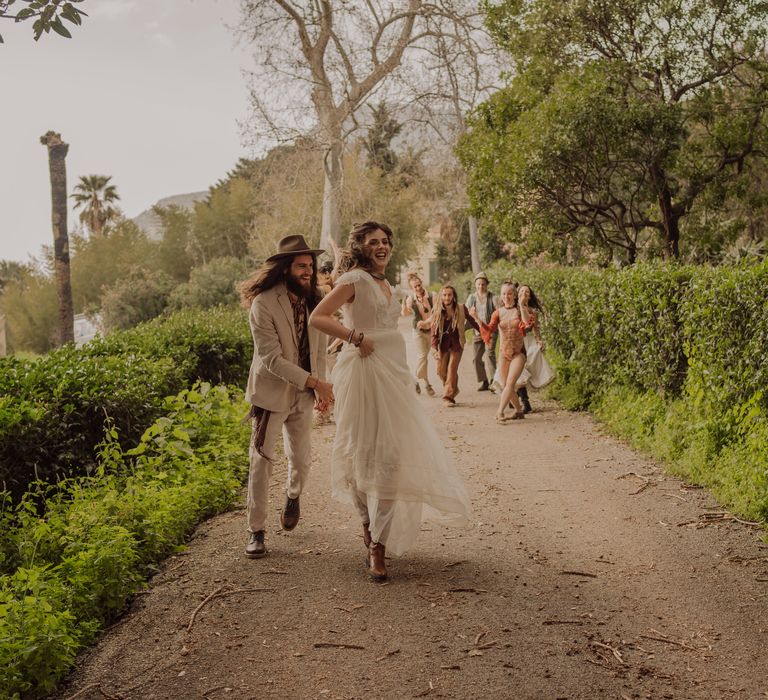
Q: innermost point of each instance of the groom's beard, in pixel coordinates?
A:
(297, 287)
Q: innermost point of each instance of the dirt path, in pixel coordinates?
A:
(587, 573)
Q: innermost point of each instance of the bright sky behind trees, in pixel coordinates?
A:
(148, 92)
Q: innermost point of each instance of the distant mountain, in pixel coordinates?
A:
(149, 222)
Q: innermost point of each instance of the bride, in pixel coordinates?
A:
(387, 458)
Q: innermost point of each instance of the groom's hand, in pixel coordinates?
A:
(324, 393)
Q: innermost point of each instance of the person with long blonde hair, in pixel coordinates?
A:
(387, 457)
(448, 325)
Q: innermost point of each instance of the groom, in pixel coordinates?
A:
(287, 378)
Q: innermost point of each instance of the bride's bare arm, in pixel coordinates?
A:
(323, 317)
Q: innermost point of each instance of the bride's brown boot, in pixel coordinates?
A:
(377, 569)
(367, 535)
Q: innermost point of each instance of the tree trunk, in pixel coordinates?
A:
(670, 219)
(474, 245)
(57, 152)
(332, 195)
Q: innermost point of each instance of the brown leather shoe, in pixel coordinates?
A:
(377, 569)
(367, 535)
(289, 518)
(255, 549)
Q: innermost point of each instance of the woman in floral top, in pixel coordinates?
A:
(512, 320)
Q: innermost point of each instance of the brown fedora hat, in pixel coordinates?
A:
(293, 245)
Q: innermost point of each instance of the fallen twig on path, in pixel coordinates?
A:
(579, 573)
(94, 686)
(707, 518)
(488, 645)
(336, 645)
(467, 590)
(388, 654)
(613, 650)
(454, 563)
(563, 622)
(659, 637)
(221, 593)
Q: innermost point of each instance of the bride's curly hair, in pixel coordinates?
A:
(355, 254)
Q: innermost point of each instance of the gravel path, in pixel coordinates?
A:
(587, 573)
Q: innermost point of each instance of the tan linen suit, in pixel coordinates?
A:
(276, 383)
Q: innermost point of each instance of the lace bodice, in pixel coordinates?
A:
(370, 310)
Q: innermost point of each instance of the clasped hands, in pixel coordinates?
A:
(323, 395)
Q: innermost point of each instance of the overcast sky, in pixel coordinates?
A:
(147, 91)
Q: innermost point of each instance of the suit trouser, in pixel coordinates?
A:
(423, 346)
(484, 360)
(295, 425)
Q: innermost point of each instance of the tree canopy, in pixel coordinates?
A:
(622, 118)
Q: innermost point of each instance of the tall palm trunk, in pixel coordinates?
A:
(57, 152)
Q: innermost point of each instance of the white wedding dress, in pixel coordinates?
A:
(387, 458)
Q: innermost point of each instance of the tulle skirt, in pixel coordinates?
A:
(387, 457)
(537, 372)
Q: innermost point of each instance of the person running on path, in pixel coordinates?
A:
(287, 378)
(484, 304)
(448, 325)
(510, 320)
(420, 303)
(387, 458)
(537, 371)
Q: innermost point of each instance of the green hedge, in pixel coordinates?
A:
(53, 409)
(71, 568)
(674, 358)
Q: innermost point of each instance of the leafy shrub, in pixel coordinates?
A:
(71, 568)
(674, 358)
(140, 296)
(53, 409)
(210, 285)
(212, 346)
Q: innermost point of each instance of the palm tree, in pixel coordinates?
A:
(95, 195)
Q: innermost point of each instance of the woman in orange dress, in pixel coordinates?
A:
(509, 320)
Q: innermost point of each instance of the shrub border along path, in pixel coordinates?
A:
(99, 538)
(672, 358)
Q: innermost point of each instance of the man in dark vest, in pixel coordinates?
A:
(484, 303)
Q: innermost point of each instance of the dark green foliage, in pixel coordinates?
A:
(213, 346)
(68, 569)
(53, 410)
(140, 296)
(212, 284)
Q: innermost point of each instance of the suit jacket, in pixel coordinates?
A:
(275, 374)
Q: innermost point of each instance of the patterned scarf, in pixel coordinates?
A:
(300, 321)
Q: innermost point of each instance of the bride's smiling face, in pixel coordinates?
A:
(378, 247)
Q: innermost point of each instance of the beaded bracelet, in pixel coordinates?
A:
(359, 340)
